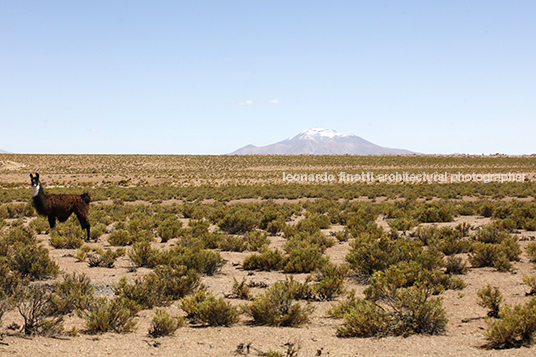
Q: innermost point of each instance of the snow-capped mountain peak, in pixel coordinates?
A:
(318, 141)
(319, 134)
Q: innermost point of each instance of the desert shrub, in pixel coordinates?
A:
(440, 212)
(414, 312)
(75, 292)
(330, 281)
(277, 307)
(268, 260)
(531, 251)
(198, 228)
(32, 261)
(376, 252)
(40, 225)
(97, 230)
(18, 234)
(190, 302)
(241, 290)
(169, 228)
(143, 255)
(426, 234)
(216, 312)
(203, 261)
(164, 325)
(239, 222)
(491, 298)
(455, 265)
(36, 307)
(119, 237)
(65, 242)
(514, 327)
(338, 310)
(450, 241)
(272, 221)
(402, 224)
(530, 280)
(160, 287)
(304, 260)
(489, 255)
(342, 236)
(411, 311)
(104, 258)
(257, 240)
(275, 226)
(485, 208)
(19, 210)
(105, 315)
(233, 243)
(364, 319)
(307, 239)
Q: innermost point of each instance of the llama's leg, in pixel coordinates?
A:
(52, 222)
(84, 222)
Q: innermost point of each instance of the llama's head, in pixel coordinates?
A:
(36, 185)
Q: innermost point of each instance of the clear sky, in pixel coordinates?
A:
(208, 77)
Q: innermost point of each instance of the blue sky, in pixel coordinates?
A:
(208, 77)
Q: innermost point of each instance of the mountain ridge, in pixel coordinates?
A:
(318, 141)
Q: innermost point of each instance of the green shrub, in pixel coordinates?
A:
(164, 325)
(489, 255)
(169, 228)
(414, 312)
(257, 240)
(143, 255)
(97, 231)
(119, 237)
(239, 222)
(531, 251)
(203, 261)
(75, 292)
(365, 319)
(402, 224)
(33, 261)
(40, 225)
(515, 327)
(241, 289)
(491, 298)
(343, 307)
(304, 260)
(233, 243)
(67, 236)
(455, 265)
(410, 311)
(160, 287)
(330, 281)
(216, 312)
(104, 258)
(105, 315)
(268, 261)
(530, 280)
(277, 307)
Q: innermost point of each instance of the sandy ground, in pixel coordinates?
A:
(318, 338)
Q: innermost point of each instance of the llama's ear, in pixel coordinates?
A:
(36, 175)
(31, 176)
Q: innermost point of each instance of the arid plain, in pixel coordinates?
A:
(480, 191)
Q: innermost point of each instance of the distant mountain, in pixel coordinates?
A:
(4, 152)
(317, 141)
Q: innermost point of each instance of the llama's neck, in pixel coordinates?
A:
(40, 199)
(36, 189)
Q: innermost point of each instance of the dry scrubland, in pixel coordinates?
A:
(218, 256)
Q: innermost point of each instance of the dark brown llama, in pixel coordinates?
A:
(60, 206)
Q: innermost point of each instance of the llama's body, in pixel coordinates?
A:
(60, 206)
